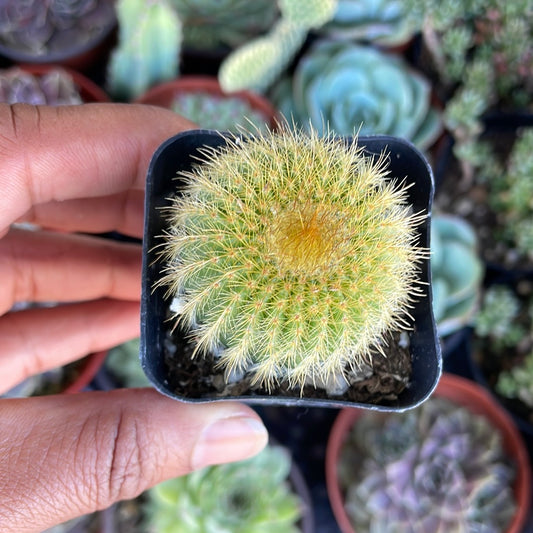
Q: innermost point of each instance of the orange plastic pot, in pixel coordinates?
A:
(464, 393)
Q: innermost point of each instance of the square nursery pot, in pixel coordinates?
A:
(178, 154)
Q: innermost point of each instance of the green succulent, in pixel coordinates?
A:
(222, 113)
(471, 37)
(148, 50)
(383, 22)
(259, 62)
(349, 87)
(209, 24)
(511, 195)
(456, 272)
(252, 496)
(55, 87)
(497, 318)
(518, 382)
(437, 468)
(290, 255)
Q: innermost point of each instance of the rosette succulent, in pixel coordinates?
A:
(456, 272)
(55, 87)
(383, 22)
(353, 88)
(40, 27)
(437, 468)
(291, 255)
(252, 496)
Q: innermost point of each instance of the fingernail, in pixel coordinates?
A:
(229, 439)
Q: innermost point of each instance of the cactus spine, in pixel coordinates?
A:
(291, 255)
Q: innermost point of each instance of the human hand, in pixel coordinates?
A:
(69, 170)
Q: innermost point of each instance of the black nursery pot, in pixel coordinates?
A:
(178, 154)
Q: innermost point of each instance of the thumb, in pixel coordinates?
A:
(68, 455)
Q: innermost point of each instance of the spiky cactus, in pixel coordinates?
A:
(251, 496)
(291, 255)
(148, 49)
(437, 468)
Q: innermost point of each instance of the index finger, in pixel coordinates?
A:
(67, 152)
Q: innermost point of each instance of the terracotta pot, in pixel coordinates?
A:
(467, 394)
(89, 91)
(163, 95)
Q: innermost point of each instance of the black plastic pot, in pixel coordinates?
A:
(177, 154)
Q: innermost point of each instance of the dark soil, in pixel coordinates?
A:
(198, 377)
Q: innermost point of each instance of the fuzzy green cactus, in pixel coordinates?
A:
(456, 272)
(290, 255)
(383, 22)
(351, 87)
(148, 50)
(222, 113)
(437, 468)
(251, 496)
(258, 63)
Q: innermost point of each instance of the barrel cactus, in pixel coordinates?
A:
(252, 496)
(456, 271)
(291, 255)
(439, 467)
(353, 88)
(382, 22)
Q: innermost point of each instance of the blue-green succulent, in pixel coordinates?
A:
(383, 22)
(148, 50)
(456, 271)
(354, 88)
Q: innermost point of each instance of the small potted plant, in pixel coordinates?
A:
(288, 267)
(351, 86)
(71, 33)
(264, 493)
(202, 101)
(455, 463)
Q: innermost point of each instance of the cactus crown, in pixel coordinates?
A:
(291, 255)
